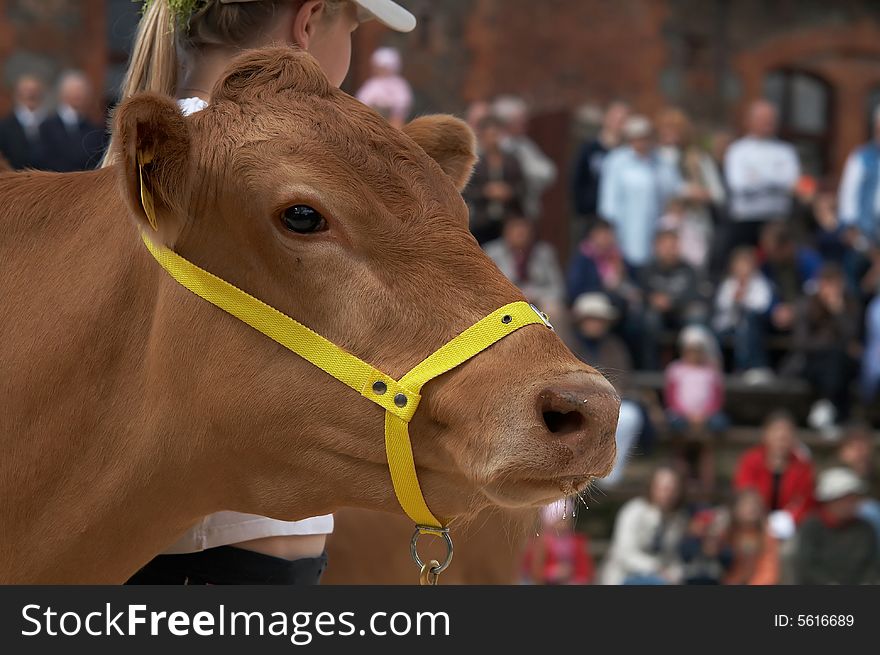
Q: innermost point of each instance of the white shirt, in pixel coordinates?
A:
(757, 299)
(850, 188)
(226, 528)
(761, 175)
(633, 192)
(29, 121)
(68, 116)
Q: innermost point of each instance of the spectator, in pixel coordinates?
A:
(835, 546)
(476, 112)
(559, 555)
(598, 265)
(856, 452)
(832, 240)
(588, 168)
(705, 553)
(71, 141)
(694, 395)
(859, 193)
(646, 542)
(755, 551)
(778, 469)
(669, 287)
(762, 173)
(826, 340)
(634, 189)
(530, 264)
(703, 190)
(20, 142)
(497, 187)
(871, 356)
(386, 90)
(790, 269)
(741, 307)
(594, 344)
(538, 170)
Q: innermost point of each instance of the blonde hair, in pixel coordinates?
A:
(154, 65)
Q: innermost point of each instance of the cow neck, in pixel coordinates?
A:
(399, 398)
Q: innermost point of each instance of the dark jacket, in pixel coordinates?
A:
(16, 148)
(836, 554)
(587, 172)
(487, 216)
(71, 149)
(817, 329)
(679, 282)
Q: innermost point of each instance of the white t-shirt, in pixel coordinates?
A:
(226, 528)
(761, 175)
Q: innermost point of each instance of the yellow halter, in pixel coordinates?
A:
(399, 398)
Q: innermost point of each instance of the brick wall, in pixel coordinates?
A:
(47, 37)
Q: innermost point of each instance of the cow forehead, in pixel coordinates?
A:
(338, 139)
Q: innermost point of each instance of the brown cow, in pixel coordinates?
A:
(130, 407)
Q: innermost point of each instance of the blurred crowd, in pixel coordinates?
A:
(708, 260)
(54, 136)
(785, 524)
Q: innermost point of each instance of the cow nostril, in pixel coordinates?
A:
(564, 422)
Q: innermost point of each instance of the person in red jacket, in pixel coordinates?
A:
(778, 469)
(560, 555)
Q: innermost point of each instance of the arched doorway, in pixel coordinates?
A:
(805, 103)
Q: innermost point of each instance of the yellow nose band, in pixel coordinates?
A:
(399, 398)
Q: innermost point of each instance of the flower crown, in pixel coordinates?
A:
(182, 9)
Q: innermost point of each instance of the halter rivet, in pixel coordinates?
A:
(506, 319)
(401, 400)
(379, 388)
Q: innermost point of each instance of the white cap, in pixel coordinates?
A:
(387, 58)
(594, 305)
(387, 12)
(637, 127)
(838, 482)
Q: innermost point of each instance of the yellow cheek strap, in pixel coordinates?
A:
(399, 398)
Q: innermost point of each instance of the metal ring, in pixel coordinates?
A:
(437, 532)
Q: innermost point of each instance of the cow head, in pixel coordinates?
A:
(303, 197)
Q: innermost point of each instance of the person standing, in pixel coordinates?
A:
(538, 169)
(703, 192)
(761, 172)
(497, 187)
(588, 167)
(71, 141)
(230, 547)
(20, 143)
(859, 192)
(634, 190)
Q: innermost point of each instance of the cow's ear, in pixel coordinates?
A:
(152, 148)
(448, 141)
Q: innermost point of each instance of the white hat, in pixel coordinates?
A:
(838, 482)
(387, 58)
(637, 127)
(594, 305)
(387, 12)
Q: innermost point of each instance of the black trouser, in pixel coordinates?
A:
(830, 372)
(228, 565)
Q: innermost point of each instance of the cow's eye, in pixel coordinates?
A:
(303, 219)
